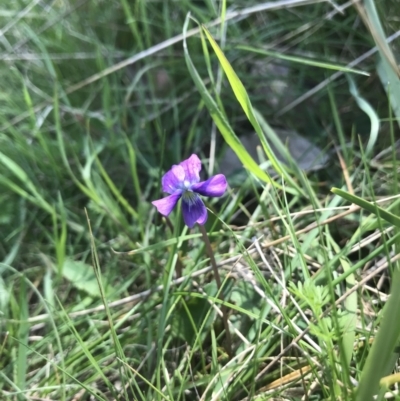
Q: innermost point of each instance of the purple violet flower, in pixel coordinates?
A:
(183, 181)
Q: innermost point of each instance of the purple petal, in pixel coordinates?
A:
(193, 209)
(214, 186)
(173, 179)
(192, 167)
(165, 205)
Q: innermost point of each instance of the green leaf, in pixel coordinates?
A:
(188, 320)
(244, 100)
(349, 317)
(367, 109)
(81, 276)
(220, 121)
(391, 83)
(302, 60)
(23, 333)
(389, 217)
(387, 68)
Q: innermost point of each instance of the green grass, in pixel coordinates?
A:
(98, 99)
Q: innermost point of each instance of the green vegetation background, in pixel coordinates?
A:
(97, 100)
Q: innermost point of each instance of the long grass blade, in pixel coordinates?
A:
(224, 127)
(372, 208)
(244, 100)
(303, 60)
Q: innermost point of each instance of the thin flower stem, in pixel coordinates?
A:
(178, 267)
(219, 285)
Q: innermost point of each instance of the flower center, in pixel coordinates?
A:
(189, 197)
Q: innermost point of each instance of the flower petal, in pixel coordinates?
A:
(165, 205)
(193, 210)
(214, 186)
(173, 179)
(192, 167)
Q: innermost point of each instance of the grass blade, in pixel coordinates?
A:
(302, 60)
(22, 339)
(367, 109)
(224, 127)
(383, 355)
(244, 100)
(389, 217)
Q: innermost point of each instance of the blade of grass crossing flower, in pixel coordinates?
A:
(367, 109)
(244, 100)
(389, 217)
(226, 130)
